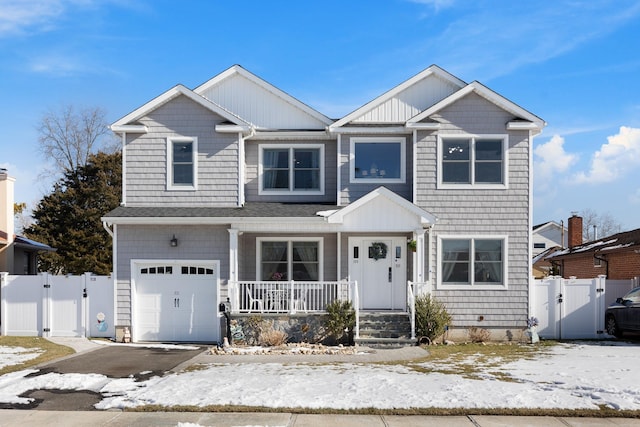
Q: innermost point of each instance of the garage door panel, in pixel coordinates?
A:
(176, 302)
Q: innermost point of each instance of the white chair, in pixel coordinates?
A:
(254, 301)
(300, 302)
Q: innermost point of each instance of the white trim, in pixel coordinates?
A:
(241, 129)
(168, 96)
(241, 169)
(432, 70)
(376, 130)
(123, 202)
(471, 286)
(414, 167)
(295, 135)
(237, 69)
(129, 128)
(473, 186)
(424, 126)
(171, 186)
(378, 140)
(289, 240)
(291, 190)
(338, 168)
(489, 95)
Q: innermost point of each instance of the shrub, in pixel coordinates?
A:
(272, 338)
(341, 319)
(478, 334)
(432, 317)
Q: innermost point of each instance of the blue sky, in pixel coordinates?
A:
(575, 63)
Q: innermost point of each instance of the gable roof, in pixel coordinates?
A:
(447, 83)
(617, 242)
(238, 90)
(123, 124)
(549, 224)
(526, 120)
(382, 193)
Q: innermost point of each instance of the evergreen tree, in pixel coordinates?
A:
(68, 219)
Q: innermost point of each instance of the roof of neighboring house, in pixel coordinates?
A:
(542, 255)
(616, 242)
(26, 243)
(546, 224)
(253, 210)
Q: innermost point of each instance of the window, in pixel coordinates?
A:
(287, 169)
(597, 262)
(182, 163)
(378, 160)
(478, 262)
(539, 245)
(297, 259)
(472, 161)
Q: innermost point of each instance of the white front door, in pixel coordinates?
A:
(380, 267)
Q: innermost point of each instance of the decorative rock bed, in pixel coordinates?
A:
(288, 349)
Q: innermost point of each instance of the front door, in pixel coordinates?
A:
(379, 266)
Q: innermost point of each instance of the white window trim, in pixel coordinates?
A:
(472, 286)
(403, 160)
(291, 190)
(170, 185)
(289, 241)
(505, 162)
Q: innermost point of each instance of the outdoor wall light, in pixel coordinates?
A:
(174, 241)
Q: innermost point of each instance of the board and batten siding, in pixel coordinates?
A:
(480, 212)
(252, 182)
(195, 242)
(146, 158)
(350, 192)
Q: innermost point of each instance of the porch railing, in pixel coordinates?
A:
(286, 296)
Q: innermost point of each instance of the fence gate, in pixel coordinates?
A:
(47, 305)
(574, 308)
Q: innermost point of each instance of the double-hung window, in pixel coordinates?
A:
(378, 160)
(286, 259)
(472, 161)
(287, 169)
(472, 262)
(182, 162)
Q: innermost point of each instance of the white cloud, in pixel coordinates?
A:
(616, 158)
(18, 16)
(551, 159)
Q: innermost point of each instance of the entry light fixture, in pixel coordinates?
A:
(174, 241)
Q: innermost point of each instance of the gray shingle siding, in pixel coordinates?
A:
(146, 158)
(478, 212)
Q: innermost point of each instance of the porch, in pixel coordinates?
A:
(291, 299)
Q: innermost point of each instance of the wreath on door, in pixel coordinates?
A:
(378, 250)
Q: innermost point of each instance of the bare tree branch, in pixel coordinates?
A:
(605, 224)
(67, 137)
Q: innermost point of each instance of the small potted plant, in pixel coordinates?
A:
(412, 245)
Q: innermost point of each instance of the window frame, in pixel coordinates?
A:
(473, 138)
(171, 185)
(291, 190)
(377, 140)
(289, 241)
(471, 285)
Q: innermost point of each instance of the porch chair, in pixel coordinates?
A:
(258, 302)
(300, 301)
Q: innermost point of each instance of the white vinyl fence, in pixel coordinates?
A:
(55, 306)
(574, 308)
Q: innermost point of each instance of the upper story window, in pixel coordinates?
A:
(182, 160)
(286, 169)
(472, 161)
(378, 160)
(472, 262)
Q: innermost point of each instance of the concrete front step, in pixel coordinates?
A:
(384, 329)
(385, 342)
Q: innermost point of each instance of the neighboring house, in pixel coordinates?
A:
(541, 266)
(616, 256)
(237, 190)
(548, 235)
(18, 254)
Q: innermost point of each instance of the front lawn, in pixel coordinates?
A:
(30, 351)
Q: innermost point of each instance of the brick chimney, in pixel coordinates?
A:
(575, 230)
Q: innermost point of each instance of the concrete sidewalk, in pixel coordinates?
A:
(14, 417)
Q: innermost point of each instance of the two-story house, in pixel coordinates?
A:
(235, 189)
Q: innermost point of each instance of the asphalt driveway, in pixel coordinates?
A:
(117, 361)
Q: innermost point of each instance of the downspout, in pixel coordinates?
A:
(603, 259)
(241, 164)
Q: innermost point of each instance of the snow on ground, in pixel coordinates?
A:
(17, 355)
(570, 376)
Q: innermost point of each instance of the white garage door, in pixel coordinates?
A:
(176, 301)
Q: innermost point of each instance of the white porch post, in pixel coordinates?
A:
(233, 268)
(419, 275)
